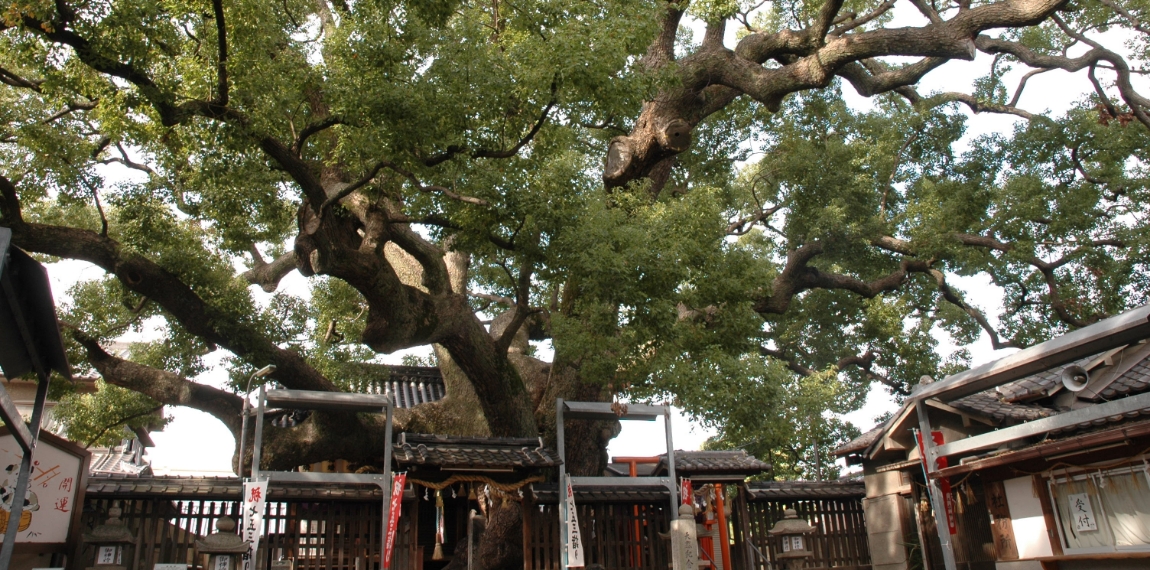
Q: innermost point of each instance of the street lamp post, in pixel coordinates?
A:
(247, 410)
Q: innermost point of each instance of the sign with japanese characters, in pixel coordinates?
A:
(1082, 512)
(574, 538)
(394, 507)
(50, 502)
(255, 497)
(106, 555)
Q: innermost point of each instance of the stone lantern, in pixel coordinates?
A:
(111, 540)
(225, 548)
(792, 531)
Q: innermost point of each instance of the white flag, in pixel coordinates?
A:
(574, 538)
(255, 496)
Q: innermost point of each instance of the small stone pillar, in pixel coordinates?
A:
(794, 547)
(225, 548)
(112, 542)
(684, 540)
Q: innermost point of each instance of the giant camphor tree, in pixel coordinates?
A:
(704, 221)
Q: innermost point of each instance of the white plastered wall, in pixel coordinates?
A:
(1030, 532)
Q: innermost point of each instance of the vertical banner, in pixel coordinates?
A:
(943, 482)
(255, 497)
(574, 538)
(397, 482)
(686, 493)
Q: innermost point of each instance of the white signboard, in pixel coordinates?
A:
(170, 567)
(106, 555)
(574, 539)
(255, 496)
(1082, 512)
(51, 496)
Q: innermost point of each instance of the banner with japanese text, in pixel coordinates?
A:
(574, 537)
(686, 493)
(255, 497)
(397, 483)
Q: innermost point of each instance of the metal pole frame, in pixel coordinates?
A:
(28, 447)
(559, 440)
(670, 481)
(937, 501)
(385, 483)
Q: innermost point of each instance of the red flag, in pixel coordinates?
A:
(398, 481)
(687, 495)
(943, 482)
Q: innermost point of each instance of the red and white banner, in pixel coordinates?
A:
(397, 483)
(574, 553)
(943, 482)
(686, 494)
(255, 497)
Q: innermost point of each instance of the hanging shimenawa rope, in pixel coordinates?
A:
(505, 487)
(440, 529)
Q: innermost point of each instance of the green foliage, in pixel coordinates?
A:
(103, 418)
(650, 298)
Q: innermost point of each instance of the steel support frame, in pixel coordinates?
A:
(1120, 330)
(26, 435)
(1042, 426)
(1114, 332)
(937, 501)
(603, 410)
(331, 401)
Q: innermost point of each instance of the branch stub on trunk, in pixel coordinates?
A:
(618, 159)
(675, 136)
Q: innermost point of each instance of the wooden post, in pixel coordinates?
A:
(724, 540)
(1001, 527)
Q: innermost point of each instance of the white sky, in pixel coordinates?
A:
(196, 443)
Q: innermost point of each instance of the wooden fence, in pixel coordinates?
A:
(620, 529)
(840, 541)
(334, 535)
(617, 536)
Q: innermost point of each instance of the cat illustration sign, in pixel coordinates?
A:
(49, 505)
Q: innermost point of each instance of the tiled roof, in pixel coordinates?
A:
(840, 489)
(989, 405)
(1101, 422)
(220, 488)
(111, 461)
(863, 441)
(1033, 397)
(1134, 381)
(452, 452)
(548, 493)
(411, 385)
(737, 462)
(1036, 385)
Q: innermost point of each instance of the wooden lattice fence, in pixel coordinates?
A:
(840, 541)
(622, 536)
(334, 535)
